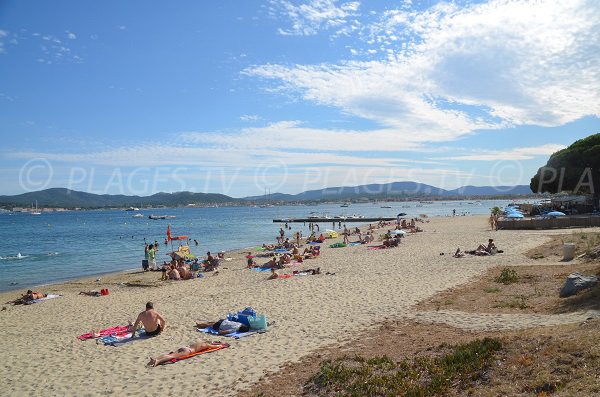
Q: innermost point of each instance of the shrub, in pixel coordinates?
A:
(507, 276)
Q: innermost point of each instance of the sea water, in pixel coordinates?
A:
(58, 246)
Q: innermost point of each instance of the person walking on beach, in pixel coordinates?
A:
(153, 322)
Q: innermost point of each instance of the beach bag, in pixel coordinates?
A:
(248, 312)
(258, 323)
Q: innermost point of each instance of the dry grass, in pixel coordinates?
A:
(549, 361)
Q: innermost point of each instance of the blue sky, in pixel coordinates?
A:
(236, 97)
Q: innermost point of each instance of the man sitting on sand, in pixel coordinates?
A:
(181, 352)
(223, 326)
(153, 322)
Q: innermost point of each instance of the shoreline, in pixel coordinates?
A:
(113, 273)
(364, 288)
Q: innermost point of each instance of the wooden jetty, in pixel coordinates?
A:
(325, 220)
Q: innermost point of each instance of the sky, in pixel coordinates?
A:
(246, 97)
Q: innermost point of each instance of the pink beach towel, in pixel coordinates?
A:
(119, 330)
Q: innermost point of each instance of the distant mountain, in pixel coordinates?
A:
(66, 198)
(395, 189)
(490, 190)
(388, 189)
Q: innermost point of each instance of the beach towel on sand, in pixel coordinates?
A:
(119, 330)
(261, 269)
(116, 340)
(50, 296)
(235, 335)
(214, 347)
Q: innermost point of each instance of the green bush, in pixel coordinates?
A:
(507, 276)
(429, 376)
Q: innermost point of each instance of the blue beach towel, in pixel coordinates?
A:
(261, 269)
(120, 340)
(354, 244)
(235, 335)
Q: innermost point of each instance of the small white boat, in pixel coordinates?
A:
(132, 209)
(35, 212)
(138, 216)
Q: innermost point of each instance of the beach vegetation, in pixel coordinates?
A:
(460, 366)
(507, 276)
(491, 290)
(517, 302)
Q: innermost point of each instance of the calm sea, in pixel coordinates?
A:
(53, 247)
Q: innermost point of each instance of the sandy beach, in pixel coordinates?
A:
(42, 352)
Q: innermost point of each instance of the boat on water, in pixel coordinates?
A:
(355, 216)
(35, 212)
(386, 206)
(132, 209)
(156, 217)
(314, 215)
(345, 205)
(138, 216)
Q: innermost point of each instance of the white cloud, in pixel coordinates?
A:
(452, 71)
(71, 35)
(315, 15)
(3, 35)
(524, 153)
(250, 117)
(294, 135)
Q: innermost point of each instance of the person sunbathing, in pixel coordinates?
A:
(273, 263)
(174, 274)
(489, 248)
(223, 326)
(305, 272)
(28, 297)
(285, 259)
(183, 272)
(183, 351)
(93, 292)
(269, 247)
(458, 253)
(311, 252)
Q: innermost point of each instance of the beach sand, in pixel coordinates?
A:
(42, 352)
